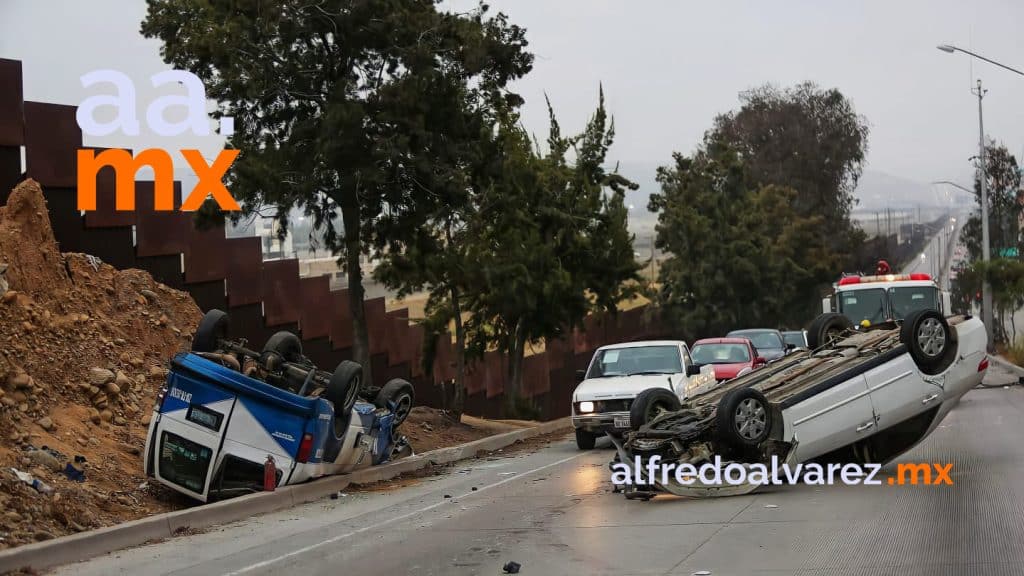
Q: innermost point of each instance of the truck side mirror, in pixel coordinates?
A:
(693, 370)
(826, 305)
(581, 375)
(760, 361)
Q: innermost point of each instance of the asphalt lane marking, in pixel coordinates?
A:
(341, 537)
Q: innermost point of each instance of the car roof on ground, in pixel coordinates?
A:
(643, 343)
(723, 340)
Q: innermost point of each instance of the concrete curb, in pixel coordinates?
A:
(85, 545)
(1004, 363)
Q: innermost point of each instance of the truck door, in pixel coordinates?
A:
(824, 420)
(186, 434)
(898, 392)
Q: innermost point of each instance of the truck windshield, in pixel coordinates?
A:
(907, 299)
(860, 305)
(635, 360)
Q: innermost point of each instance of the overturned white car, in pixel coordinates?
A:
(856, 397)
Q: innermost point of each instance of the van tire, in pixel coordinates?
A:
(826, 328)
(398, 396)
(212, 329)
(343, 391)
(285, 346)
(649, 404)
(929, 340)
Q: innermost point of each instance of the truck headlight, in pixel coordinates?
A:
(586, 407)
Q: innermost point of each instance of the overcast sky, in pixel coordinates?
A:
(668, 66)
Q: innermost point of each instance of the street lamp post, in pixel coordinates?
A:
(986, 255)
(986, 290)
(952, 49)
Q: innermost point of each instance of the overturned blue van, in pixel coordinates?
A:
(230, 420)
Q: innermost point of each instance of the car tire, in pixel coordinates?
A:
(826, 328)
(929, 340)
(585, 440)
(744, 418)
(649, 404)
(282, 345)
(398, 396)
(212, 329)
(342, 391)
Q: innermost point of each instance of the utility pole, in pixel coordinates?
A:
(986, 289)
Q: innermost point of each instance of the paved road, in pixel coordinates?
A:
(936, 253)
(552, 511)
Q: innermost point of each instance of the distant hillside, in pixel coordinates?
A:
(878, 191)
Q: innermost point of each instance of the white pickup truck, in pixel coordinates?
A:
(604, 396)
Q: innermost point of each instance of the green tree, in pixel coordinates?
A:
(804, 137)
(552, 244)
(436, 254)
(813, 141)
(1006, 277)
(1004, 204)
(342, 106)
(758, 218)
(740, 252)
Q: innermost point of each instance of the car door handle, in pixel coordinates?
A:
(929, 399)
(865, 426)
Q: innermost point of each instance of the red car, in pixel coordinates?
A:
(731, 357)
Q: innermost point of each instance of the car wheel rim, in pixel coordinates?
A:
(931, 338)
(751, 419)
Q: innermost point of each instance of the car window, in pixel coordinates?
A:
(794, 338)
(907, 299)
(860, 305)
(721, 353)
(762, 340)
(634, 360)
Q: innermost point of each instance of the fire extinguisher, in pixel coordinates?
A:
(269, 474)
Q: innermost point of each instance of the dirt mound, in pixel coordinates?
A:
(83, 352)
(429, 429)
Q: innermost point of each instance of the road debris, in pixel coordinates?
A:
(511, 567)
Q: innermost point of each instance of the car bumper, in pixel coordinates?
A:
(601, 423)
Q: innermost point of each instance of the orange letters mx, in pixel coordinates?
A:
(125, 167)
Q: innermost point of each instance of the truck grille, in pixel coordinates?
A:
(601, 406)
